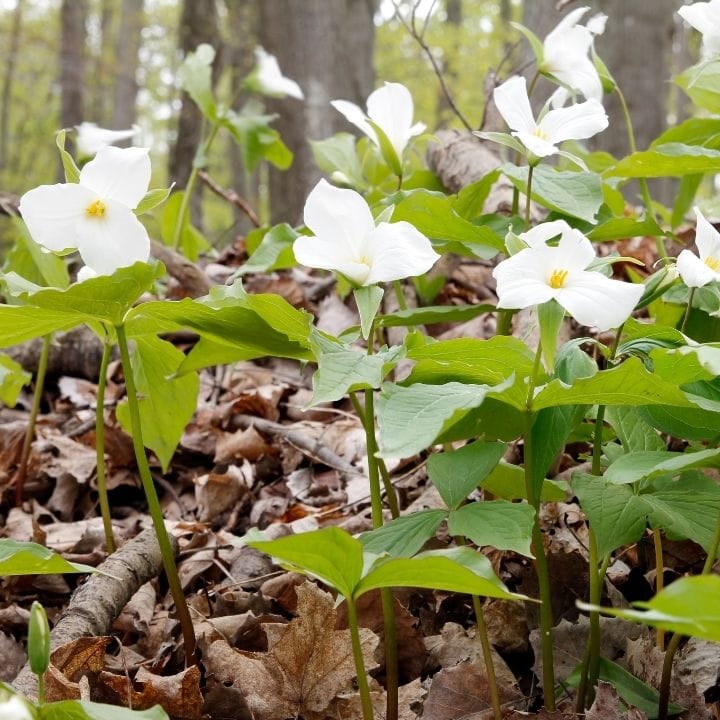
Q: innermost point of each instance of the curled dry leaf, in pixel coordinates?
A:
(307, 664)
(607, 706)
(70, 663)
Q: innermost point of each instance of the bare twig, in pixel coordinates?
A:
(232, 197)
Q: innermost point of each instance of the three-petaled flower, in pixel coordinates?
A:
(705, 17)
(699, 271)
(541, 273)
(566, 53)
(391, 109)
(90, 137)
(267, 78)
(577, 122)
(95, 216)
(348, 241)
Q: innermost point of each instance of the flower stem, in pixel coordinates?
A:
(363, 687)
(659, 579)
(503, 322)
(688, 309)
(34, 410)
(527, 197)
(390, 495)
(487, 656)
(100, 449)
(399, 294)
(168, 556)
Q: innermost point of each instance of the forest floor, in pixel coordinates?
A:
(253, 457)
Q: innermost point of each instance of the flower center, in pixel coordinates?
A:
(712, 262)
(96, 209)
(537, 132)
(557, 279)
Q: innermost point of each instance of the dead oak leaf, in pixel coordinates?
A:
(70, 663)
(307, 664)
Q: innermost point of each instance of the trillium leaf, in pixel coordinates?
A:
(152, 199)
(431, 315)
(635, 466)
(274, 251)
(404, 536)
(694, 131)
(12, 380)
(669, 160)
(368, 301)
(621, 228)
(19, 323)
(501, 524)
(634, 432)
(701, 83)
(508, 481)
(167, 402)
(682, 422)
(331, 555)
(192, 241)
(505, 139)
(550, 317)
(688, 606)
(470, 201)
(72, 172)
(387, 150)
(577, 194)
(88, 710)
(195, 75)
(337, 154)
(28, 558)
(687, 364)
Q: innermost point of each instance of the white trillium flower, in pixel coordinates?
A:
(348, 241)
(705, 17)
(95, 216)
(13, 708)
(538, 236)
(699, 271)
(391, 109)
(577, 122)
(268, 79)
(90, 137)
(542, 273)
(566, 53)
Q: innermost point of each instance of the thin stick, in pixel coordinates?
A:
(230, 196)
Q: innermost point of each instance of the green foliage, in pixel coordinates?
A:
(12, 380)
(88, 710)
(27, 558)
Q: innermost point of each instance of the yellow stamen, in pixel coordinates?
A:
(537, 132)
(713, 263)
(557, 279)
(95, 209)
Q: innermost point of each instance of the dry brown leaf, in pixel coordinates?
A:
(217, 493)
(136, 616)
(62, 456)
(307, 664)
(13, 657)
(607, 706)
(72, 661)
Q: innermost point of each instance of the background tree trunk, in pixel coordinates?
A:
(99, 109)
(127, 51)
(327, 48)
(73, 36)
(5, 99)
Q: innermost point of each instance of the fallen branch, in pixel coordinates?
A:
(97, 602)
(232, 197)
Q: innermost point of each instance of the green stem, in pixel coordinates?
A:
(659, 579)
(34, 410)
(527, 197)
(399, 294)
(688, 309)
(363, 686)
(487, 656)
(100, 449)
(595, 598)
(373, 470)
(41, 688)
(168, 556)
(504, 322)
(390, 494)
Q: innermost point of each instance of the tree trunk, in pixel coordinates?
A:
(73, 35)
(327, 48)
(453, 21)
(126, 58)
(99, 110)
(6, 98)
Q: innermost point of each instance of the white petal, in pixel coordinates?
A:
(521, 280)
(536, 145)
(391, 108)
(51, 213)
(116, 240)
(340, 216)
(707, 238)
(86, 273)
(569, 21)
(398, 250)
(699, 16)
(597, 301)
(90, 137)
(324, 253)
(693, 271)
(270, 78)
(539, 235)
(577, 122)
(353, 114)
(120, 174)
(559, 97)
(574, 251)
(582, 76)
(596, 24)
(511, 99)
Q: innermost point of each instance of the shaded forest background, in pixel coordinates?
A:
(114, 62)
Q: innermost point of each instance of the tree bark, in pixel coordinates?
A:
(73, 35)
(99, 109)
(5, 100)
(127, 50)
(327, 48)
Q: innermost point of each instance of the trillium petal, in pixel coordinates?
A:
(324, 253)
(90, 137)
(116, 240)
(353, 114)
(693, 271)
(398, 250)
(581, 75)
(270, 78)
(596, 24)
(569, 21)
(538, 236)
(574, 251)
(597, 301)
(340, 216)
(120, 174)
(521, 279)
(707, 238)
(535, 144)
(391, 107)
(577, 122)
(51, 213)
(703, 16)
(512, 102)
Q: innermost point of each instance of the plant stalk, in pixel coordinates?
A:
(688, 309)
(34, 410)
(363, 686)
(487, 656)
(390, 494)
(110, 546)
(181, 607)
(659, 579)
(527, 197)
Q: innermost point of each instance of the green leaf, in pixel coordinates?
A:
(470, 201)
(368, 301)
(412, 417)
(275, 251)
(12, 380)
(701, 83)
(19, 323)
(458, 570)
(687, 364)
(87, 710)
(387, 150)
(195, 75)
(456, 474)
(152, 199)
(532, 38)
(623, 228)
(635, 434)
(432, 315)
(403, 536)
(617, 515)
(694, 131)
(669, 160)
(686, 423)
(550, 317)
(167, 402)
(331, 555)
(508, 481)
(505, 139)
(337, 154)
(433, 215)
(577, 194)
(501, 524)
(688, 606)
(636, 466)
(72, 172)
(689, 185)
(28, 558)
(192, 241)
